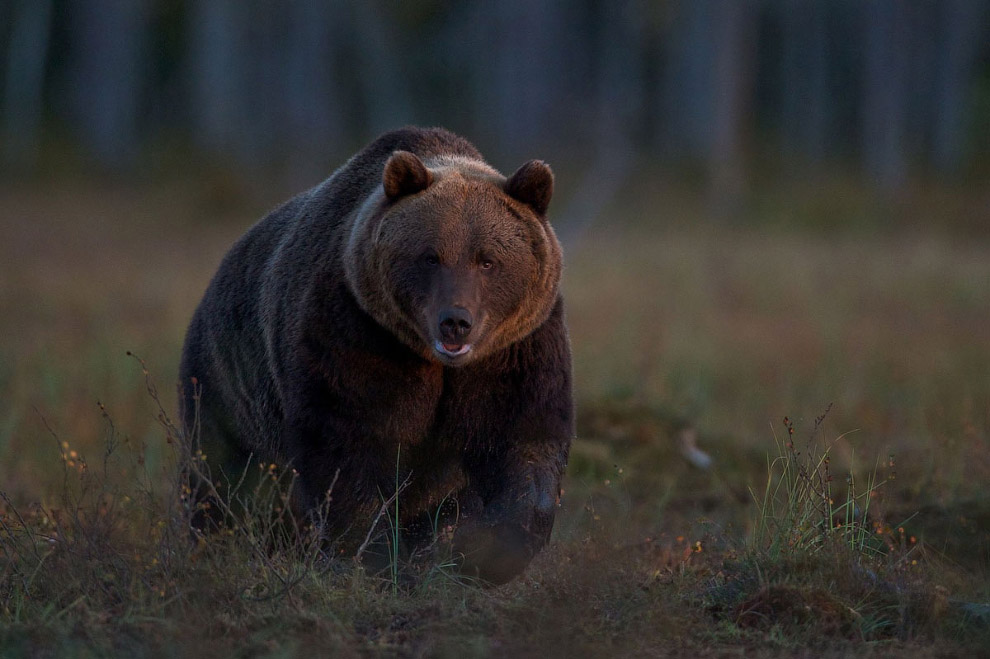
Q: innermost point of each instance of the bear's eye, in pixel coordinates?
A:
(431, 259)
(487, 264)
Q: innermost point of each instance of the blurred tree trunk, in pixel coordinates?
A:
(264, 83)
(518, 72)
(109, 54)
(709, 82)
(27, 52)
(268, 35)
(620, 76)
(804, 61)
(886, 96)
(383, 82)
(959, 41)
(217, 59)
(618, 113)
(687, 105)
(315, 123)
(735, 52)
(923, 20)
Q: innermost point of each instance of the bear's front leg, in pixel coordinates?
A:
(335, 488)
(513, 526)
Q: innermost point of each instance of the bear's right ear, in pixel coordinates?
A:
(405, 174)
(532, 184)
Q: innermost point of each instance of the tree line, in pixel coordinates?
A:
(888, 85)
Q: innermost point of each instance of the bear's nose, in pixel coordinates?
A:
(455, 324)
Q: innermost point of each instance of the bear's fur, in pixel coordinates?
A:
(406, 308)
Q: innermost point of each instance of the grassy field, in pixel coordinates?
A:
(866, 532)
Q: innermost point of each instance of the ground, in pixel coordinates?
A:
(674, 320)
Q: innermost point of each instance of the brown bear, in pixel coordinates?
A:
(401, 321)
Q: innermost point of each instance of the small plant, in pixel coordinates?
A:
(395, 529)
(801, 509)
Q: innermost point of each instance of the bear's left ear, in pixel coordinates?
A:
(532, 184)
(405, 174)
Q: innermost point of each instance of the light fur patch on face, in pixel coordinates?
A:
(469, 167)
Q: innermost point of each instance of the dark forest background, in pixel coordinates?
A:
(724, 90)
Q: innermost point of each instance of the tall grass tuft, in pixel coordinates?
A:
(800, 508)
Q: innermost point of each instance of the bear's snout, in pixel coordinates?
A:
(455, 324)
(455, 327)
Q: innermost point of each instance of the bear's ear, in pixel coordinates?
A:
(405, 174)
(532, 184)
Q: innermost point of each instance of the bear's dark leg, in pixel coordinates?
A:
(461, 508)
(336, 487)
(514, 525)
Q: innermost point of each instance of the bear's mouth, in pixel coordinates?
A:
(452, 349)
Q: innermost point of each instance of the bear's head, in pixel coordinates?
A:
(453, 258)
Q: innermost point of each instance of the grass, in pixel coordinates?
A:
(802, 538)
(798, 510)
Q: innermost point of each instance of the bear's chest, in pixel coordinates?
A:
(395, 405)
(394, 400)
(431, 413)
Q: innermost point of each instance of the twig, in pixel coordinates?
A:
(374, 524)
